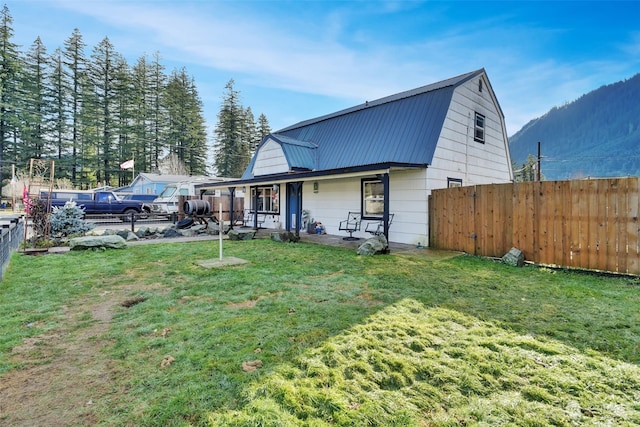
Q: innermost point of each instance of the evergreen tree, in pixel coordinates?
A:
(231, 152)
(527, 172)
(36, 104)
(9, 71)
(187, 135)
(75, 63)
(88, 122)
(263, 130)
(158, 116)
(59, 115)
(140, 99)
(249, 134)
(124, 94)
(103, 72)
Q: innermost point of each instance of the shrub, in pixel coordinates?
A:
(68, 220)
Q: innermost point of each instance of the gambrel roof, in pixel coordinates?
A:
(398, 130)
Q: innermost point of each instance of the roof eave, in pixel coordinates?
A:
(293, 175)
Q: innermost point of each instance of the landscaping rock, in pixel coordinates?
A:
(198, 228)
(514, 258)
(374, 245)
(123, 233)
(143, 232)
(189, 232)
(214, 228)
(131, 236)
(284, 236)
(171, 232)
(241, 234)
(89, 242)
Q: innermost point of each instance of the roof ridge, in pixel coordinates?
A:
(451, 81)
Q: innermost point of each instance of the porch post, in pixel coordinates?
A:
(255, 210)
(297, 188)
(232, 195)
(385, 216)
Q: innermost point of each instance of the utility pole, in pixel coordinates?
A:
(538, 173)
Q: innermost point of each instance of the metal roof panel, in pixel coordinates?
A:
(399, 129)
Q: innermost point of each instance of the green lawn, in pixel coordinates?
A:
(343, 340)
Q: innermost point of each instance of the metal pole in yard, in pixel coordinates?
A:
(538, 171)
(220, 229)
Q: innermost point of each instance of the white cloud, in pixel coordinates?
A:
(330, 52)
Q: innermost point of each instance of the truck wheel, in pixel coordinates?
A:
(146, 211)
(126, 217)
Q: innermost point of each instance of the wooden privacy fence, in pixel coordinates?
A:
(590, 224)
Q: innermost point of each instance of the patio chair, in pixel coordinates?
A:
(377, 227)
(351, 225)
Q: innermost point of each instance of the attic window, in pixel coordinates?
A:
(480, 85)
(478, 133)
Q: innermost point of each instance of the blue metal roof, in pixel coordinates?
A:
(301, 155)
(398, 129)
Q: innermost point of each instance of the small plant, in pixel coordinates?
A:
(68, 220)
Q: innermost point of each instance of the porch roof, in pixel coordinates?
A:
(306, 175)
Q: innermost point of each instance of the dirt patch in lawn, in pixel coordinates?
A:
(63, 373)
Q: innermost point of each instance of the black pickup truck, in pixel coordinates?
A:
(96, 202)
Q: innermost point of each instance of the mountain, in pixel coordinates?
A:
(597, 135)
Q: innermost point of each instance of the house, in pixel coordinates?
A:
(153, 183)
(380, 159)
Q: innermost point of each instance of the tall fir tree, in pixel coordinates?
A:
(123, 94)
(103, 72)
(36, 103)
(249, 134)
(263, 129)
(9, 73)
(59, 115)
(159, 118)
(75, 63)
(140, 99)
(231, 152)
(187, 135)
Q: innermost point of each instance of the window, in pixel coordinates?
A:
(480, 85)
(268, 199)
(105, 197)
(454, 182)
(478, 134)
(372, 198)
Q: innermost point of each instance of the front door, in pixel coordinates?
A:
(294, 206)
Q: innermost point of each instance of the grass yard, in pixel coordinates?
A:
(309, 335)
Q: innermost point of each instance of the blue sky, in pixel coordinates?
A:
(296, 60)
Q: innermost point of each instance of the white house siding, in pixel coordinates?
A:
(457, 154)
(337, 196)
(270, 159)
(408, 203)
